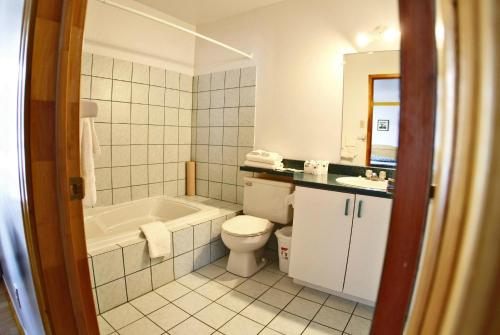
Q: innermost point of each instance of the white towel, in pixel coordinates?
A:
(88, 146)
(264, 156)
(159, 239)
(276, 166)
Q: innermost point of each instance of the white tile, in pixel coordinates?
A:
(102, 66)
(122, 316)
(202, 135)
(168, 316)
(202, 234)
(217, 228)
(191, 326)
(140, 73)
(260, 312)
(229, 193)
(139, 192)
(171, 135)
(172, 98)
(108, 266)
(104, 158)
(104, 114)
(192, 302)
(104, 327)
(248, 76)
(120, 176)
(232, 78)
(139, 154)
(121, 155)
(240, 325)
(120, 134)
(286, 284)
(252, 288)
(215, 154)
(276, 298)
(217, 250)
(232, 97)
(340, 303)
(149, 302)
(204, 100)
(217, 80)
(120, 112)
(172, 291)
(313, 295)
(171, 153)
(140, 327)
(122, 70)
(155, 154)
(269, 331)
(193, 280)
(184, 153)
(186, 100)
(103, 131)
(229, 155)
(202, 188)
(138, 283)
(183, 241)
(186, 83)
(266, 277)
(216, 99)
(230, 280)
(170, 172)
(235, 301)
(101, 89)
(156, 96)
(155, 173)
(155, 134)
(204, 83)
(157, 76)
(185, 118)
(136, 257)
(245, 136)
(358, 326)
(211, 271)
(121, 195)
(246, 117)
(317, 329)
(86, 63)
(183, 264)
(230, 136)
(139, 134)
(172, 79)
(216, 117)
(364, 311)
(215, 172)
(111, 295)
(247, 96)
(140, 93)
(303, 308)
(181, 170)
(216, 135)
(202, 170)
(215, 315)
(332, 318)
(184, 135)
(201, 256)
(122, 91)
(230, 117)
(213, 290)
(162, 273)
(171, 116)
(287, 323)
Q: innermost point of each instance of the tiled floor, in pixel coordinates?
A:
(213, 301)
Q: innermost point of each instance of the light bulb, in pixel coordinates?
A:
(362, 39)
(391, 34)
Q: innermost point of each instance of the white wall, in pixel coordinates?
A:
(357, 67)
(112, 32)
(298, 52)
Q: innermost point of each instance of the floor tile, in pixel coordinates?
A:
(340, 303)
(221, 262)
(213, 290)
(289, 324)
(313, 295)
(104, 327)
(269, 331)
(191, 326)
(240, 325)
(266, 277)
(149, 302)
(235, 301)
(332, 318)
(276, 298)
(142, 326)
(168, 316)
(260, 312)
(211, 271)
(317, 329)
(364, 311)
(303, 308)
(252, 288)
(274, 267)
(172, 291)
(215, 315)
(358, 326)
(122, 315)
(230, 280)
(286, 284)
(192, 302)
(193, 280)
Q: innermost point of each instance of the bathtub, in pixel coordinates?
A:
(120, 223)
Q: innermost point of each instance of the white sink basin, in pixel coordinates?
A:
(362, 182)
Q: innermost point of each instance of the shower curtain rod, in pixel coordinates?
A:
(176, 26)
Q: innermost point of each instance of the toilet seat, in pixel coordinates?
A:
(246, 226)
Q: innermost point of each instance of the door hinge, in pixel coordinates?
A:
(76, 188)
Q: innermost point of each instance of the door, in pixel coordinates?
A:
(320, 239)
(367, 250)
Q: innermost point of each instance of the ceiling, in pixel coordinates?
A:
(197, 12)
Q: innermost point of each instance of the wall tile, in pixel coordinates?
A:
(104, 158)
(120, 134)
(155, 154)
(230, 136)
(100, 89)
(186, 100)
(104, 198)
(184, 153)
(183, 264)
(247, 96)
(156, 115)
(202, 234)
(171, 135)
(181, 173)
(111, 295)
(173, 79)
(217, 80)
(155, 173)
(246, 117)
(229, 174)
(139, 192)
(102, 66)
(155, 134)
(170, 188)
(140, 93)
(139, 134)
(122, 91)
(216, 117)
(216, 134)
(232, 78)
(202, 187)
(204, 100)
(184, 135)
(230, 117)
(202, 170)
(216, 99)
(138, 283)
(139, 154)
(217, 228)
(139, 175)
(162, 273)
(155, 189)
(248, 76)
(103, 179)
(136, 257)
(171, 98)
(171, 116)
(171, 153)
(231, 97)
(186, 83)
(108, 267)
(202, 135)
(229, 155)
(185, 117)
(140, 73)
(157, 76)
(204, 83)
(245, 136)
(122, 70)
(215, 190)
(85, 83)
(215, 154)
(170, 172)
(156, 96)
(121, 155)
(121, 195)
(229, 192)
(120, 176)
(120, 112)
(139, 114)
(215, 172)
(183, 241)
(104, 114)
(217, 250)
(86, 63)
(201, 256)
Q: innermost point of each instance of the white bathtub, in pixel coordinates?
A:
(116, 224)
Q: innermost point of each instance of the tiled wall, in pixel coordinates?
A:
(223, 131)
(120, 273)
(144, 128)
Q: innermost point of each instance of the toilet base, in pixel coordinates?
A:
(246, 264)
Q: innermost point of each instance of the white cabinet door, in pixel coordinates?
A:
(367, 250)
(320, 239)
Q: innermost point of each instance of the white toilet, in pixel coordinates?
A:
(265, 202)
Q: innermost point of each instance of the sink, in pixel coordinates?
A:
(362, 182)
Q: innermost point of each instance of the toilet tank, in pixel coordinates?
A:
(268, 199)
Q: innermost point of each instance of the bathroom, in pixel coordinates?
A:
(235, 167)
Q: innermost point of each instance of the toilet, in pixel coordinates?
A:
(265, 203)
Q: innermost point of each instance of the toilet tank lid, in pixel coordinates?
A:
(247, 225)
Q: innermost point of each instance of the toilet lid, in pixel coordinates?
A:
(246, 225)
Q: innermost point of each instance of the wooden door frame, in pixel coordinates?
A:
(369, 125)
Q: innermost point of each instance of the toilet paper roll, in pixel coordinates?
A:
(190, 178)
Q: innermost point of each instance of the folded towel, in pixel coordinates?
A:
(266, 160)
(89, 145)
(264, 154)
(276, 166)
(159, 238)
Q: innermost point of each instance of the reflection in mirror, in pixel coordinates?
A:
(370, 119)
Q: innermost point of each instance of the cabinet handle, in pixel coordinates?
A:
(359, 208)
(346, 210)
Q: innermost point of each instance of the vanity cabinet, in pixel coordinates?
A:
(339, 240)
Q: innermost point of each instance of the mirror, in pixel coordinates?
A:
(370, 112)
